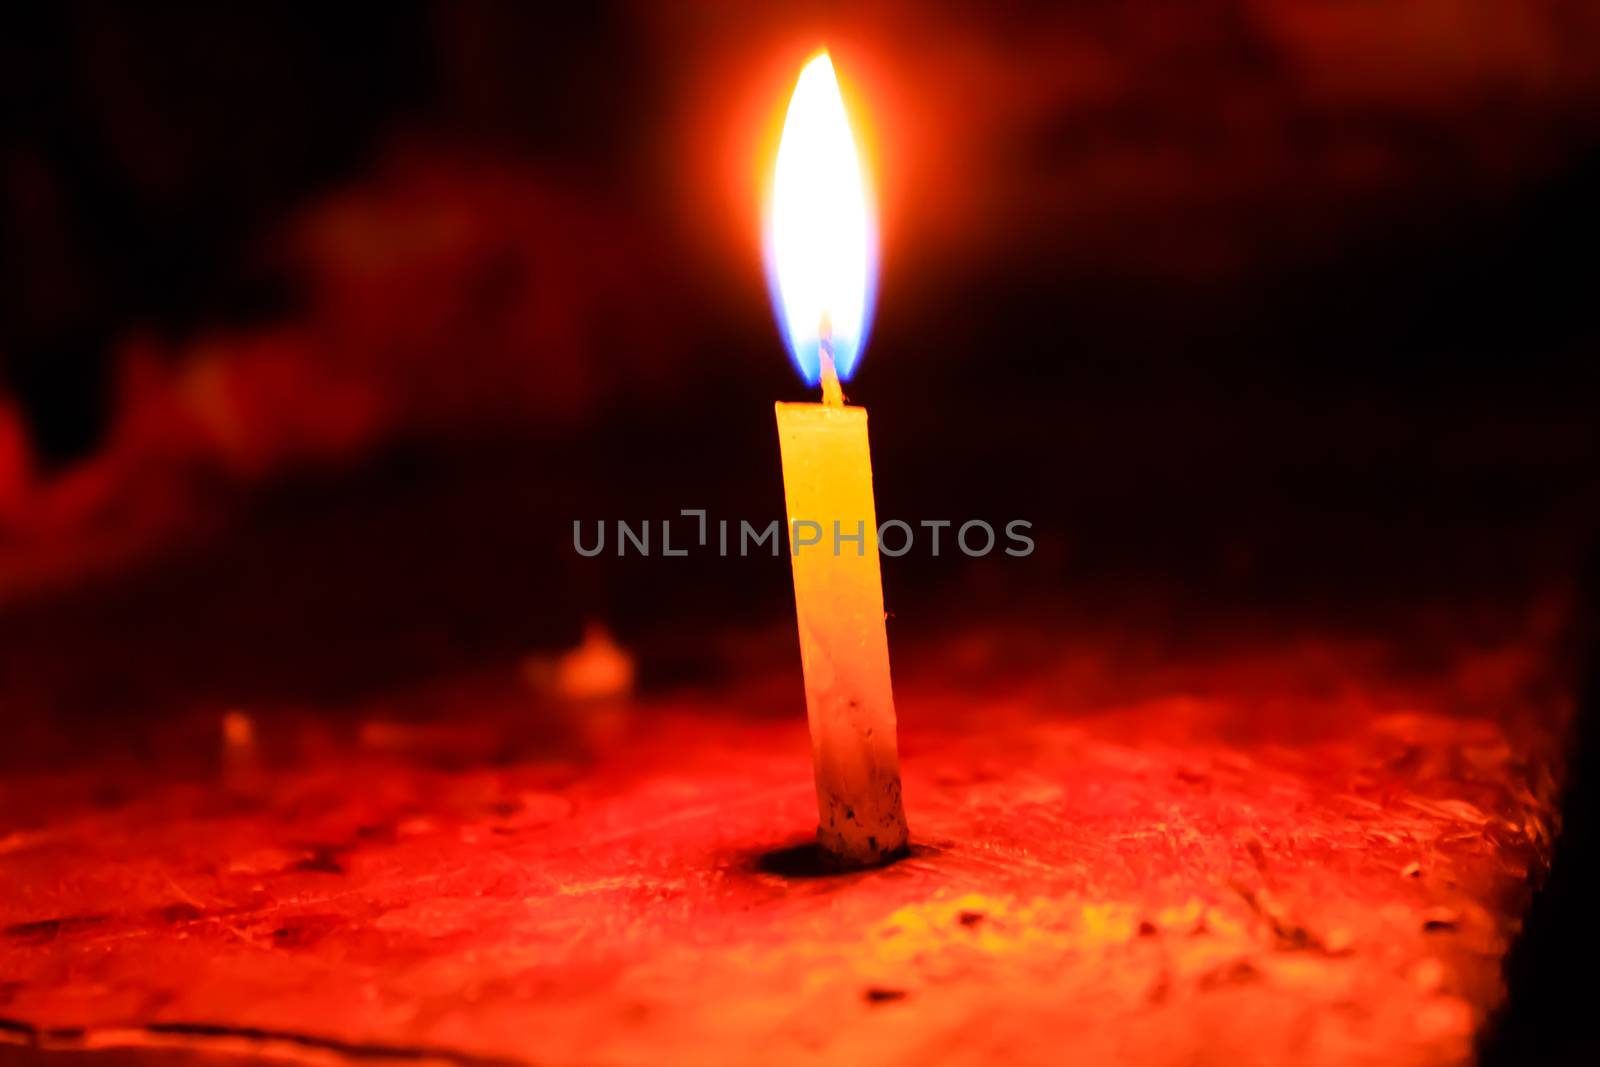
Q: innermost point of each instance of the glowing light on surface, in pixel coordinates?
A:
(821, 242)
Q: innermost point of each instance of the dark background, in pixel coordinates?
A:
(1257, 299)
(319, 327)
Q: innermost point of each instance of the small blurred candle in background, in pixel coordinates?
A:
(821, 261)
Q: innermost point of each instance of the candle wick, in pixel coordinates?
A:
(832, 395)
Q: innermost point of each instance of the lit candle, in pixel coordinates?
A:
(820, 252)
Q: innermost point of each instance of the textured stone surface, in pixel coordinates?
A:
(1291, 854)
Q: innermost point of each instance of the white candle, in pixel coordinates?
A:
(820, 246)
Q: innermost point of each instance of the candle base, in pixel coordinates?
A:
(865, 835)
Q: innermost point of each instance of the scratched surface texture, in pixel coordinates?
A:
(1308, 852)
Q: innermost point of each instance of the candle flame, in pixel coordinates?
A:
(820, 237)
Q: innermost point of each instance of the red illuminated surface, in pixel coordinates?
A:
(1305, 852)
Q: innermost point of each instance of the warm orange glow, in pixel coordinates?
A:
(820, 233)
